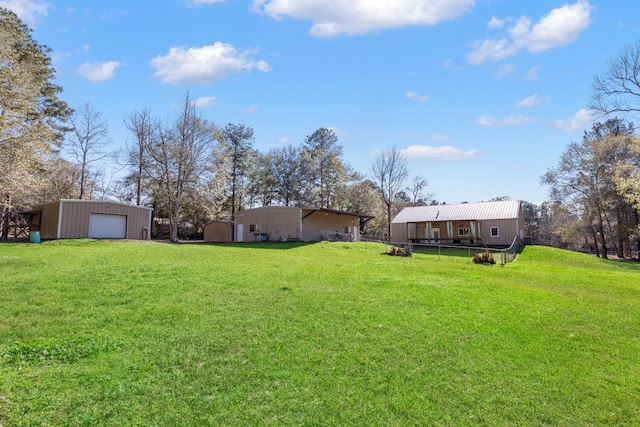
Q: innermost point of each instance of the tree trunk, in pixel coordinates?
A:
(613, 239)
(5, 223)
(173, 228)
(4, 219)
(595, 241)
(138, 186)
(82, 181)
(636, 215)
(603, 242)
(389, 221)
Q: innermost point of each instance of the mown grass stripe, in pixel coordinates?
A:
(314, 334)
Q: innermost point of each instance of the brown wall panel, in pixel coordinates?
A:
(74, 220)
(218, 232)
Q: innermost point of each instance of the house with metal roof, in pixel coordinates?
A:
(485, 223)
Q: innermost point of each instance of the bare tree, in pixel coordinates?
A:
(61, 181)
(416, 188)
(390, 174)
(181, 155)
(142, 126)
(87, 141)
(617, 90)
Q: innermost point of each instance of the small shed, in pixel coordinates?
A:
(94, 219)
(218, 232)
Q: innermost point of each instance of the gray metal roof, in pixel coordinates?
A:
(506, 209)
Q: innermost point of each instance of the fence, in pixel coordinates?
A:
(14, 224)
(509, 254)
(501, 255)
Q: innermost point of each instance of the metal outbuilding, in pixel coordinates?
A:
(286, 223)
(94, 219)
(488, 223)
(218, 232)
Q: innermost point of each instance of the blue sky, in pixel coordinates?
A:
(482, 95)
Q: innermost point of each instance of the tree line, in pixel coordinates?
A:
(192, 171)
(187, 168)
(593, 202)
(595, 187)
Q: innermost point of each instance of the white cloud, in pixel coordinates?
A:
(559, 28)
(331, 17)
(439, 137)
(488, 121)
(196, 3)
(532, 74)
(415, 97)
(446, 152)
(505, 70)
(433, 137)
(495, 23)
(203, 65)
(98, 71)
(495, 49)
(205, 101)
(449, 64)
(250, 109)
(531, 101)
(582, 119)
(26, 9)
(338, 132)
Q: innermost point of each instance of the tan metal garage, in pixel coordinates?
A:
(95, 219)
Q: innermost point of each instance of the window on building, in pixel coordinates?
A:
(253, 227)
(495, 232)
(463, 231)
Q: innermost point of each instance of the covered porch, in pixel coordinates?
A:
(445, 232)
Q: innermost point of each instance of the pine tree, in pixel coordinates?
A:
(31, 115)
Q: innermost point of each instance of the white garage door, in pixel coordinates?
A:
(105, 226)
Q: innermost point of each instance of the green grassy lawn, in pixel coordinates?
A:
(136, 333)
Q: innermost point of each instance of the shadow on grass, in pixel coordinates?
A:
(449, 252)
(264, 245)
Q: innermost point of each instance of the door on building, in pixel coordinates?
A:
(107, 226)
(436, 235)
(240, 234)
